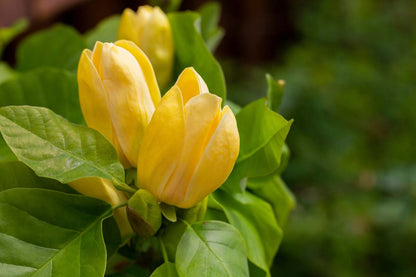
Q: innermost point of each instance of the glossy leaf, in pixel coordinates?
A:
(255, 220)
(105, 31)
(211, 248)
(262, 135)
(165, 270)
(56, 148)
(210, 17)
(59, 46)
(190, 50)
(50, 233)
(52, 88)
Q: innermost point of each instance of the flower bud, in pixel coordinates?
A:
(190, 145)
(118, 93)
(104, 190)
(150, 29)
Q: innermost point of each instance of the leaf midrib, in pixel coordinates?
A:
(113, 178)
(210, 250)
(102, 216)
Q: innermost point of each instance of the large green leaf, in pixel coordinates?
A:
(210, 17)
(50, 233)
(59, 46)
(15, 174)
(262, 135)
(211, 248)
(105, 31)
(272, 189)
(190, 50)
(165, 270)
(56, 148)
(52, 88)
(255, 220)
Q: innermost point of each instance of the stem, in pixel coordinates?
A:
(120, 205)
(163, 248)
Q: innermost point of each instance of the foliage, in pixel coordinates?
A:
(45, 146)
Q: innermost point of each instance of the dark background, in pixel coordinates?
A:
(350, 71)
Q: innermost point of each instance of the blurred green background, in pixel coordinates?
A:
(351, 88)
(350, 71)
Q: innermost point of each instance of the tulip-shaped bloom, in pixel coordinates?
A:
(190, 145)
(104, 190)
(149, 28)
(118, 94)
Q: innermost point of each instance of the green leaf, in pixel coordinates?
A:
(168, 211)
(262, 135)
(7, 34)
(211, 248)
(105, 31)
(52, 88)
(273, 190)
(6, 72)
(255, 220)
(56, 148)
(210, 17)
(165, 270)
(233, 106)
(274, 93)
(15, 174)
(50, 233)
(166, 5)
(59, 46)
(190, 50)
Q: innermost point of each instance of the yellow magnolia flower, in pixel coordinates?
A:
(104, 190)
(149, 28)
(190, 145)
(118, 94)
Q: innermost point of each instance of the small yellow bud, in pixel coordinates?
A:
(118, 94)
(190, 145)
(150, 29)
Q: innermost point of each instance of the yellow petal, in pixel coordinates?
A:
(127, 28)
(104, 190)
(162, 144)
(191, 84)
(129, 100)
(146, 66)
(92, 96)
(202, 114)
(217, 161)
(155, 38)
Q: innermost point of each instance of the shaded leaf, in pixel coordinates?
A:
(52, 88)
(165, 270)
(59, 46)
(64, 238)
(105, 31)
(210, 16)
(255, 220)
(190, 50)
(7, 34)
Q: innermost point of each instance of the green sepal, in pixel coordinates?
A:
(196, 213)
(168, 211)
(144, 213)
